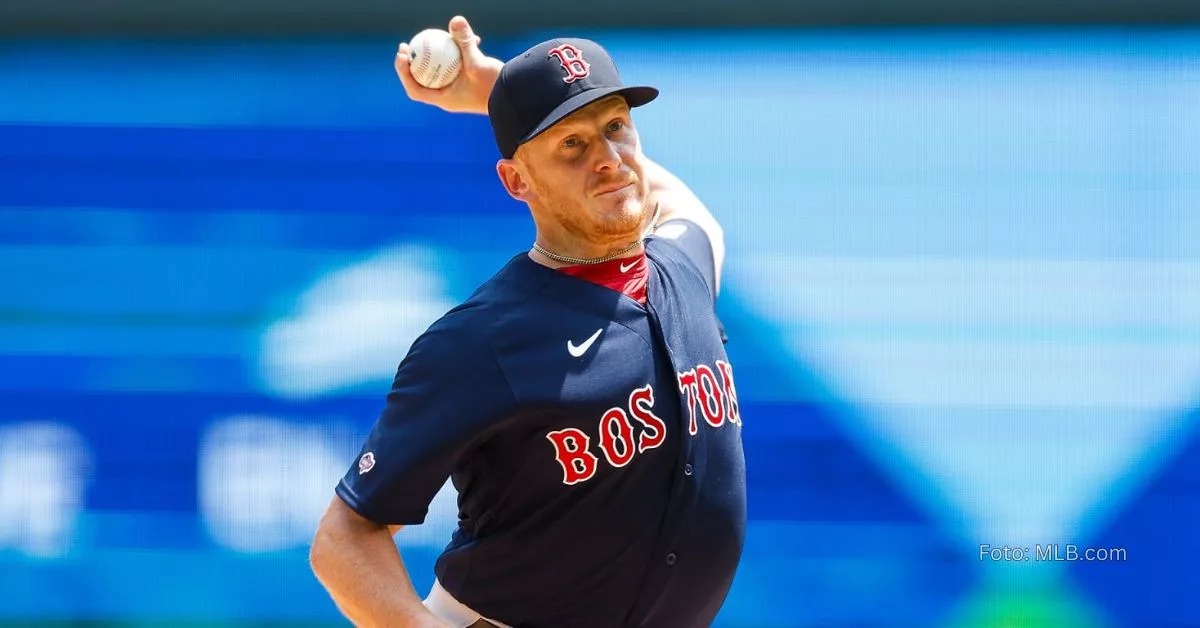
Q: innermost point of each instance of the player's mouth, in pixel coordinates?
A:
(610, 189)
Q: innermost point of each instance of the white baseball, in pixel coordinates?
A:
(436, 59)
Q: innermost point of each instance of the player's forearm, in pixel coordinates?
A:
(360, 567)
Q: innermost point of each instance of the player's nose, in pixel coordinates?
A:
(609, 156)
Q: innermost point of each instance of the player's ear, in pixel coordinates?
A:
(515, 182)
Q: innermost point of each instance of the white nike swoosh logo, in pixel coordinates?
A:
(625, 268)
(578, 351)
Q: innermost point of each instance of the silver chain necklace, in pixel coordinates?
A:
(611, 256)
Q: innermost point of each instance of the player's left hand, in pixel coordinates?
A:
(469, 92)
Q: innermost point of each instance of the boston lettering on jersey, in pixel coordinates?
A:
(598, 454)
(718, 403)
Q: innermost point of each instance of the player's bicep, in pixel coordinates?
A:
(423, 432)
(399, 469)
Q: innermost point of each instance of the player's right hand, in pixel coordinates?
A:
(470, 90)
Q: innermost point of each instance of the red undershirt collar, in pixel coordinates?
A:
(626, 275)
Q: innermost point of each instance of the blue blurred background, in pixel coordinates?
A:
(962, 294)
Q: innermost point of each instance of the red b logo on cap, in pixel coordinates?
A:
(572, 61)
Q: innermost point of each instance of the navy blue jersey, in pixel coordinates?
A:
(595, 443)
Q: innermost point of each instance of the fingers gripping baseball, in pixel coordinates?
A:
(467, 40)
(468, 92)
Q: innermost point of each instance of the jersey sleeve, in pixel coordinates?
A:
(448, 391)
(689, 238)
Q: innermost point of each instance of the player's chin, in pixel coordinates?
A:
(619, 217)
(625, 202)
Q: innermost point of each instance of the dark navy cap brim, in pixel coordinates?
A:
(635, 96)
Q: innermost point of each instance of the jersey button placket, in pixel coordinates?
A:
(671, 558)
(687, 469)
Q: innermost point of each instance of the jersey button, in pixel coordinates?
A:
(671, 558)
(687, 469)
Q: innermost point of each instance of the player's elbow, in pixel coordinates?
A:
(332, 564)
(320, 552)
(339, 532)
(333, 531)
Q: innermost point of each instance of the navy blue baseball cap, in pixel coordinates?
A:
(547, 83)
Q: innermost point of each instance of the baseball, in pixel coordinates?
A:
(436, 59)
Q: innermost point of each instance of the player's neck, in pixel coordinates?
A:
(556, 248)
(557, 254)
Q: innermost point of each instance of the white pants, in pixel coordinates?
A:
(446, 608)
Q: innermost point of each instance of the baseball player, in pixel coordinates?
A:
(581, 399)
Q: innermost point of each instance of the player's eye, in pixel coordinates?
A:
(615, 126)
(570, 142)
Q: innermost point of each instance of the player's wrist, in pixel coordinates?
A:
(488, 73)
